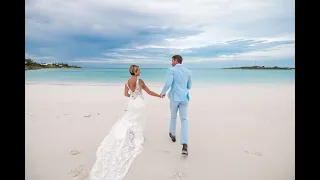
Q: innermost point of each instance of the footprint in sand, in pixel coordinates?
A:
(162, 151)
(79, 173)
(254, 153)
(88, 115)
(76, 171)
(74, 152)
(177, 175)
(83, 176)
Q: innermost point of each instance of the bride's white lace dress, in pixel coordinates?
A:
(124, 142)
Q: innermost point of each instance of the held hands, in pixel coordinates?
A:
(162, 95)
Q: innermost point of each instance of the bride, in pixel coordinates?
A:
(125, 140)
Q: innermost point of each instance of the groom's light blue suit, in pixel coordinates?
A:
(179, 82)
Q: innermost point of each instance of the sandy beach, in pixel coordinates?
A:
(236, 132)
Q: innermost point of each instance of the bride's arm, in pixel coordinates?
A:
(144, 87)
(126, 89)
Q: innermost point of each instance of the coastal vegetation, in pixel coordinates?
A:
(29, 64)
(261, 68)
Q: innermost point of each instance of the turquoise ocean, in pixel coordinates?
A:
(158, 75)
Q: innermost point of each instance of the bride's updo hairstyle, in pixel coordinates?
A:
(133, 68)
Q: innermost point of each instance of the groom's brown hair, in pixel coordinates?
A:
(178, 58)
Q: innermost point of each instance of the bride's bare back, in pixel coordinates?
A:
(134, 82)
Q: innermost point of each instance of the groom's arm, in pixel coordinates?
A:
(168, 82)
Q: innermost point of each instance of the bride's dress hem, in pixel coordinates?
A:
(123, 144)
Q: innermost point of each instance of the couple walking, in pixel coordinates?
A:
(125, 140)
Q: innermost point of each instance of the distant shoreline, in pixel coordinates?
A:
(156, 84)
(32, 65)
(261, 68)
(39, 68)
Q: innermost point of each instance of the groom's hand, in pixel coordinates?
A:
(162, 95)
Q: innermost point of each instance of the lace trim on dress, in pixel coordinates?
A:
(124, 143)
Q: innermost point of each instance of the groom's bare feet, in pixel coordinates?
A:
(172, 137)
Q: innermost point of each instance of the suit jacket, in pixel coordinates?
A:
(179, 82)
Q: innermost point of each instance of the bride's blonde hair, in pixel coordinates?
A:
(133, 68)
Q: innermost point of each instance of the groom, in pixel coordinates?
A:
(179, 82)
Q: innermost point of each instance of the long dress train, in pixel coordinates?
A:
(124, 143)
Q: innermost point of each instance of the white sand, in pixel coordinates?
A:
(235, 133)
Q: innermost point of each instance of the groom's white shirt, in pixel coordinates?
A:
(179, 82)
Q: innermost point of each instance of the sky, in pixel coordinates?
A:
(116, 33)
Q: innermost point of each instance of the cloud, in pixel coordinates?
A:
(117, 55)
(119, 61)
(273, 53)
(124, 30)
(39, 58)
